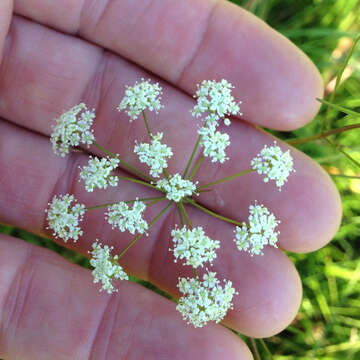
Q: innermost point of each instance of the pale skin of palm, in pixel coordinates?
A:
(56, 54)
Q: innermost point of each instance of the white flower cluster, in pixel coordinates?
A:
(274, 164)
(72, 129)
(63, 218)
(154, 155)
(139, 97)
(106, 267)
(215, 98)
(98, 173)
(122, 216)
(259, 232)
(206, 300)
(214, 143)
(193, 246)
(176, 187)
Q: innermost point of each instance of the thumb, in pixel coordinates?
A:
(6, 7)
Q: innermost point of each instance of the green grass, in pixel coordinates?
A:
(327, 326)
(328, 323)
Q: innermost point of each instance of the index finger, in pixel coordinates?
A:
(187, 41)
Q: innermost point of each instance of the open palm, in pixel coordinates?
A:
(59, 53)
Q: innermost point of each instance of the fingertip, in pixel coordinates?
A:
(296, 102)
(314, 220)
(277, 83)
(285, 82)
(271, 303)
(224, 345)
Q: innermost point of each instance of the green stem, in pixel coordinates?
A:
(157, 198)
(337, 147)
(138, 182)
(214, 214)
(345, 176)
(255, 349)
(151, 223)
(204, 190)
(185, 215)
(192, 156)
(107, 152)
(323, 135)
(166, 174)
(262, 342)
(196, 273)
(155, 201)
(337, 82)
(196, 166)
(340, 108)
(225, 179)
(124, 163)
(180, 215)
(147, 124)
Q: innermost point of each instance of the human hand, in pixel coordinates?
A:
(50, 308)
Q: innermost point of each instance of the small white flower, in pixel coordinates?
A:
(193, 246)
(176, 187)
(215, 98)
(97, 174)
(72, 129)
(122, 216)
(63, 218)
(204, 301)
(214, 143)
(154, 155)
(259, 232)
(106, 267)
(274, 164)
(141, 96)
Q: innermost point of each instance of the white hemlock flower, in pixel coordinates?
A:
(97, 174)
(215, 98)
(259, 232)
(64, 219)
(193, 246)
(176, 187)
(154, 155)
(106, 267)
(139, 97)
(122, 216)
(206, 300)
(274, 164)
(214, 143)
(72, 129)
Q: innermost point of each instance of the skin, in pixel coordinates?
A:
(49, 308)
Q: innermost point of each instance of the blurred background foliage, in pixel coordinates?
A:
(328, 323)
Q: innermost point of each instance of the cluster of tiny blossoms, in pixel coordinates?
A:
(215, 102)
(193, 246)
(176, 187)
(72, 129)
(106, 267)
(64, 219)
(260, 231)
(215, 99)
(274, 164)
(154, 155)
(140, 97)
(204, 298)
(214, 143)
(98, 173)
(125, 218)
